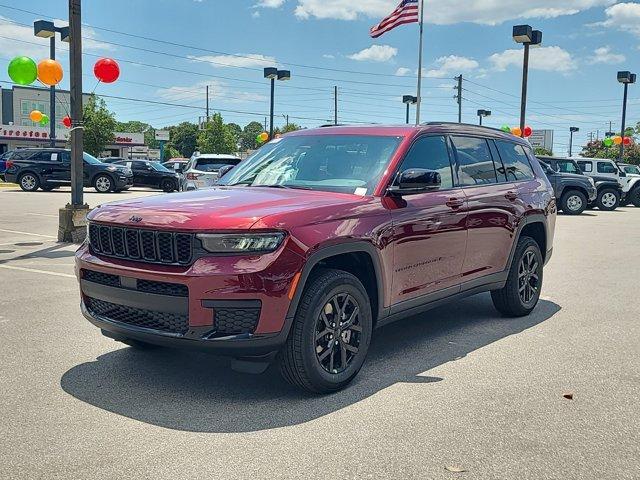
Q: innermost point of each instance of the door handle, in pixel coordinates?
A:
(511, 196)
(454, 203)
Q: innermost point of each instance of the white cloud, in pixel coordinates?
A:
(605, 55)
(218, 91)
(452, 64)
(375, 53)
(623, 16)
(445, 12)
(255, 14)
(270, 3)
(239, 60)
(550, 59)
(328, 56)
(11, 48)
(403, 72)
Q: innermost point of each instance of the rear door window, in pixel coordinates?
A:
(515, 161)
(474, 161)
(585, 167)
(606, 167)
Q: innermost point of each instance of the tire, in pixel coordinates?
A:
(103, 183)
(168, 186)
(608, 199)
(310, 360)
(29, 182)
(573, 202)
(634, 197)
(521, 293)
(138, 345)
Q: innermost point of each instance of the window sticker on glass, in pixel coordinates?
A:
(54, 157)
(362, 191)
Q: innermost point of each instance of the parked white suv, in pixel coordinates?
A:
(602, 167)
(203, 170)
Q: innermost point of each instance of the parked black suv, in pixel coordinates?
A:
(607, 187)
(49, 168)
(574, 192)
(152, 174)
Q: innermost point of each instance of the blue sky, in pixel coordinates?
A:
(225, 44)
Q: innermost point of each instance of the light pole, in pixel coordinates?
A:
(46, 29)
(527, 36)
(482, 114)
(625, 78)
(274, 74)
(409, 100)
(572, 130)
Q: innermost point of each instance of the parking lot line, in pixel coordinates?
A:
(33, 270)
(26, 233)
(43, 215)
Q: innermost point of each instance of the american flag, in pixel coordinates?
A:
(406, 12)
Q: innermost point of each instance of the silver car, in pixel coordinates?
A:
(203, 170)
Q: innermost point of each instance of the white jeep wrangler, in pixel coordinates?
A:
(602, 167)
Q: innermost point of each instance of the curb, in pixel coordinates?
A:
(8, 185)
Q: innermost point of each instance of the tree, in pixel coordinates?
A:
(236, 131)
(99, 126)
(184, 138)
(291, 127)
(169, 153)
(543, 152)
(597, 149)
(249, 134)
(216, 137)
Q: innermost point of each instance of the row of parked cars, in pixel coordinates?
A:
(50, 168)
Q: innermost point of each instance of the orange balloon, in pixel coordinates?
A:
(35, 116)
(50, 72)
(516, 131)
(617, 140)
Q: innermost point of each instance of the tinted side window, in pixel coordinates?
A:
(585, 166)
(515, 160)
(430, 153)
(606, 167)
(475, 164)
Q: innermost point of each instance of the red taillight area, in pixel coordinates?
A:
(192, 176)
(9, 164)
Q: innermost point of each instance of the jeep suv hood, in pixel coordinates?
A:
(221, 208)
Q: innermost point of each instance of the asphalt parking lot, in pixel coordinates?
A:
(458, 388)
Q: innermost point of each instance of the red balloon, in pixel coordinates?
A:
(627, 140)
(66, 121)
(528, 131)
(106, 70)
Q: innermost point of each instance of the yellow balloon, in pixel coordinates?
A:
(50, 72)
(264, 136)
(516, 131)
(35, 116)
(617, 140)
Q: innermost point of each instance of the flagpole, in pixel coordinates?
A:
(419, 96)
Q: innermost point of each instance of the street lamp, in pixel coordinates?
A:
(409, 100)
(482, 114)
(46, 29)
(572, 130)
(274, 74)
(625, 78)
(527, 36)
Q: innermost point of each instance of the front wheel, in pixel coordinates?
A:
(103, 184)
(573, 202)
(168, 186)
(330, 335)
(635, 197)
(608, 199)
(521, 293)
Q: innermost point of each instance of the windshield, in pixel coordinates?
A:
(90, 159)
(158, 167)
(332, 163)
(214, 164)
(632, 169)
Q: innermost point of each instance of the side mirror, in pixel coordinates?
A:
(224, 170)
(416, 180)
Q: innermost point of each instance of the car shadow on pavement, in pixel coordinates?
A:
(50, 253)
(199, 393)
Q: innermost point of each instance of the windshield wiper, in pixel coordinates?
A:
(287, 186)
(248, 184)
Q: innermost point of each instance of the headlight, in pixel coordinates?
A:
(241, 242)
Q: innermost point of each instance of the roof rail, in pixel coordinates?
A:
(464, 124)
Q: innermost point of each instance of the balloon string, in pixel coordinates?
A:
(94, 88)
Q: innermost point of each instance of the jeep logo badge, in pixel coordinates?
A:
(135, 219)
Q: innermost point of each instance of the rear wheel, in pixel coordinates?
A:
(169, 186)
(608, 199)
(103, 183)
(635, 197)
(521, 293)
(573, 202)
(330, 335)
(29, 182)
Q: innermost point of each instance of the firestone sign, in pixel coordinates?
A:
(17, 132)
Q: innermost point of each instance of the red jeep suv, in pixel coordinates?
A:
(318, 238)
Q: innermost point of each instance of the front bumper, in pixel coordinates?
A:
(214, 284)
(593, 194)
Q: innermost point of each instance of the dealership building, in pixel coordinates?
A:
(18, 131)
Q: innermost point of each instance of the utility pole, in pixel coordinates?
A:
(72, 218)
(207, 103)
(459, 97)
(335, 105)
(52, 96)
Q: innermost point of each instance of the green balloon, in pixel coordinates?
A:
(45, 120)
(608, 142)
(23, 70)
(506, 128)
